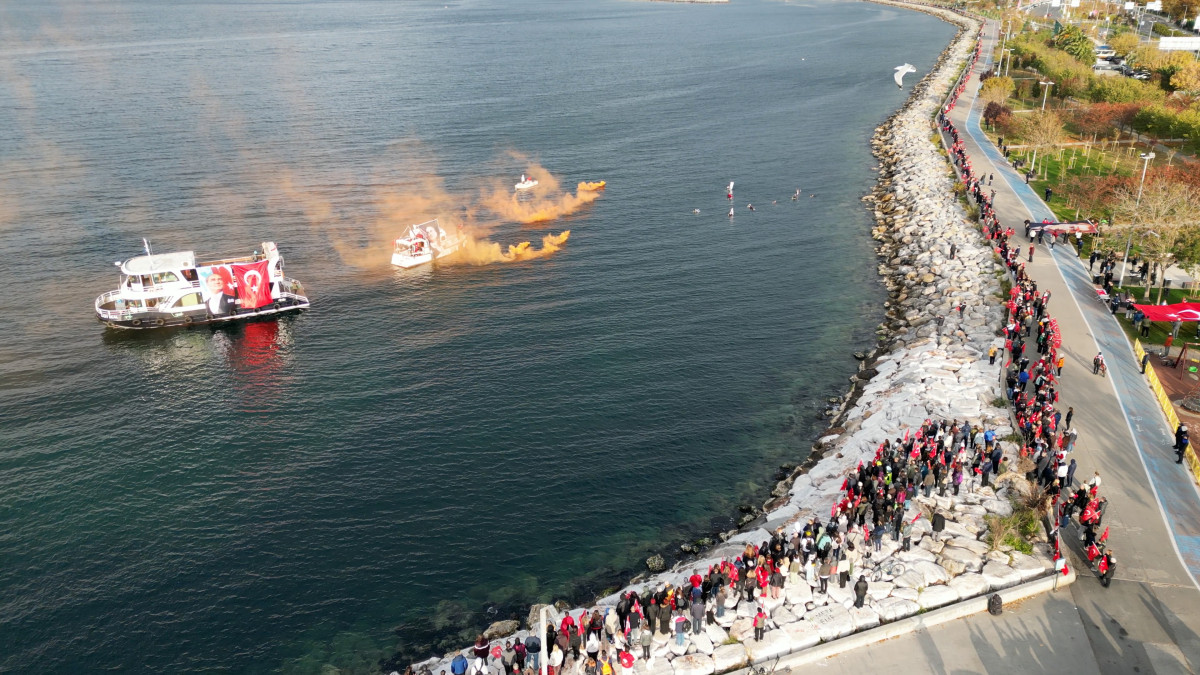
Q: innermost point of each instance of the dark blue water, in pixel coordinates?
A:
(421, 446)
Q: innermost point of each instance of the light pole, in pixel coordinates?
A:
(1145, 157)
(1009, 67)
(1046, 93)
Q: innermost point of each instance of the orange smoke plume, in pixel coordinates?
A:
(484, 252)
(545, 201)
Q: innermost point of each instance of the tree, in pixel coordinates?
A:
(1187, 78)
(1124, 43)
(1098, 119)
(996, 112)
(1163, 220)
(996, 89)
(1073, 41)
(1041, 130)
(1093, 196)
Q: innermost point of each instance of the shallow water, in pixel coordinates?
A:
(422, 446)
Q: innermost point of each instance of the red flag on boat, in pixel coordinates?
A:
(254, 284)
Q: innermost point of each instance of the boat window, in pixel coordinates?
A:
(165, 278)
(190, 275)
(189, 300)
(145, 279)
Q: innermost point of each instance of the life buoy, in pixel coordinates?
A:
(159, 322)
(136, 322)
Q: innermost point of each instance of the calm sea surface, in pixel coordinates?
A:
(424, 451)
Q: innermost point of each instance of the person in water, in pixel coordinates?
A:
(750, 206)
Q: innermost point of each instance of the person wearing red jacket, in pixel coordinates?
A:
(1108, 566)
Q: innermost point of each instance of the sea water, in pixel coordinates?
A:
(423, 451)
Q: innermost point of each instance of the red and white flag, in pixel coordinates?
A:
(254, 284)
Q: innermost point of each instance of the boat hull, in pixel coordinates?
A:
(410, 261)
(156, 320)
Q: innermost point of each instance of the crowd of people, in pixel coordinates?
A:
(1046, 440)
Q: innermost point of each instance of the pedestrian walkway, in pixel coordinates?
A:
(1148, 621)
(1154, 507)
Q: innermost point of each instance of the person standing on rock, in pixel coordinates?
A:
(846, 565)
(860, 591)
(825, 570)
(760, 624)
(697, 610)
(953, 250)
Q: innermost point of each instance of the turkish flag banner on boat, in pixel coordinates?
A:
(254, 284)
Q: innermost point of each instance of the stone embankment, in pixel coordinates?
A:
(931, 364)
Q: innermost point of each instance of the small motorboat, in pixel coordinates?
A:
(526, 183)
(424, 243)
(592, 185)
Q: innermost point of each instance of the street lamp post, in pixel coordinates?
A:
(1009, 66)
(1046, 93)
(1145, 157)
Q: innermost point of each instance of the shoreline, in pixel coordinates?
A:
(928, 361)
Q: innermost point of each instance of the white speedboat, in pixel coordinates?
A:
(526, 183)
(424, 243)
(173, 289)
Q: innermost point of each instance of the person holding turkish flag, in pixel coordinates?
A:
(254, 284)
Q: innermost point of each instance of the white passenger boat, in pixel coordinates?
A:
(424, 243)
(526, 183)
(173, 289)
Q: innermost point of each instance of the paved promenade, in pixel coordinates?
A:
(1148, 621)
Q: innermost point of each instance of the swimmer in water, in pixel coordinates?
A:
(750, 206)
(797, 195)
(696, 211)
(731, 212)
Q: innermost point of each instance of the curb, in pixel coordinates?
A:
(918, 622)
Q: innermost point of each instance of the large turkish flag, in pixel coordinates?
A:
(254, 284)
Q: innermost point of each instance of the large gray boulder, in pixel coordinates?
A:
(694, 664)
(803, 634)
(936, 596)
(999, 575)
(729, 657)
(969, 585)
(775, 643)
(833, 621)
(891, 609)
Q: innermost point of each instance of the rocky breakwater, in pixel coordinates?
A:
(930, 364)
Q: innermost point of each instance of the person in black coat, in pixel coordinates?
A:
(860, 591)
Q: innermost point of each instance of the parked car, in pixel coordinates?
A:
(1141, 75)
